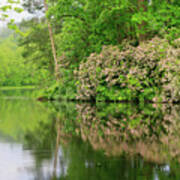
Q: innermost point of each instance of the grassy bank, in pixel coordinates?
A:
(6, 88)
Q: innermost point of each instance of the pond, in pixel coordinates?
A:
(79, 141)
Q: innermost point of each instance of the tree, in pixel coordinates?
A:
(52, 43)
(37, 6)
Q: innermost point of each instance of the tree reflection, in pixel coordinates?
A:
(109, 140)
(151, 131)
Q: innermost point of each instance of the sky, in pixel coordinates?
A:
(13, 15)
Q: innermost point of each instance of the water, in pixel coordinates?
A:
(78, 141)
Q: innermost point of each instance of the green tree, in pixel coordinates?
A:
(34, 6)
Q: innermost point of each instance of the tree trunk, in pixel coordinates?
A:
(142, 7)
(56, 70)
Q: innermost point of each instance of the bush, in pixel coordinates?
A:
(150, 71)
(65, 87)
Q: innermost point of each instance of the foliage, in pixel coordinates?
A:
(87, 26)
(161, 18)
(65, 89)
(82, 29)
(92, 23)
(149, 71)
(14, 71)
(36, 45)
(11, 5)
(110, 22)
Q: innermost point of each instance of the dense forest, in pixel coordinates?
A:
(94, 50)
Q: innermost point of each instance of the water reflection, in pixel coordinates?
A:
(150, 131)
(84, 141)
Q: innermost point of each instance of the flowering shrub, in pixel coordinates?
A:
(150, 71)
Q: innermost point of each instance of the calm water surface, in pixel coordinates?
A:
(79, 141)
